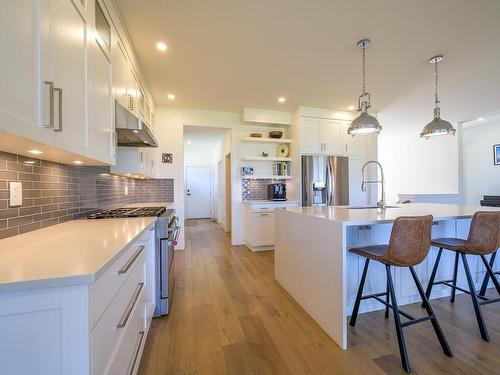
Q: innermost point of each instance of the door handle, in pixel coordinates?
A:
(51, 104)
(60, 113)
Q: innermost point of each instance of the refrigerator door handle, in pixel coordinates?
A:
(330, 188)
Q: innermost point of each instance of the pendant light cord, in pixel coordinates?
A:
(364, 71)
(436, 100)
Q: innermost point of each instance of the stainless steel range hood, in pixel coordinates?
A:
(131, 131)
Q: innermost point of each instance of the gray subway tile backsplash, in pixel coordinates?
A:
(55, 193)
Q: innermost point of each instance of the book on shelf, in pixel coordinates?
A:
(281, 169)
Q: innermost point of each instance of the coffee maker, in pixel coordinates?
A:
(276, 191)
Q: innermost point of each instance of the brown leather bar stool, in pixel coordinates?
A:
(408, 246)
(483, 239)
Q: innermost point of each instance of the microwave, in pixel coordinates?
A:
(276, 192)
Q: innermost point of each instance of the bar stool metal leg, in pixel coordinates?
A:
(405, 362)
(490, 272)
(387, 301)
(355, 310)
(484, 286)
(433, 275)
(432, 316)
(475, 302)
(454, 281)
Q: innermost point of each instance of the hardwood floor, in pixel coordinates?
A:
(231, 317)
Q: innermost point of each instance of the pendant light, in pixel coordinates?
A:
(364, 123)
(437, 126)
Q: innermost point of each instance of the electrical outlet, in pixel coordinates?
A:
(15, 194)
(125, 190)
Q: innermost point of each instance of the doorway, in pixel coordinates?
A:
(198, 192)
(228, 192)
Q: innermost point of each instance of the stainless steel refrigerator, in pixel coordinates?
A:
(325, 180)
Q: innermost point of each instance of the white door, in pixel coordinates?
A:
(198, 192)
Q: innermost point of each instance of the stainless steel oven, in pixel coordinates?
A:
(167, 233)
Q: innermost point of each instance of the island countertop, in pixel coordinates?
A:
(370, 216)
(75, 252)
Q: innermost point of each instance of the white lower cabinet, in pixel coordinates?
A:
(259, 223)
(97, 328)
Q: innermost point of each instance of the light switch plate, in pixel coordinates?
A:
(15, 194)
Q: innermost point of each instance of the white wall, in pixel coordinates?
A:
(479, 175)
(415, 165)
(169, 131)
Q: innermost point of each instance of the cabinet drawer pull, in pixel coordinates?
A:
(263, 214)
(123, 321)
(51, 104)
(132, 259)
(137, 350)
(60, 114)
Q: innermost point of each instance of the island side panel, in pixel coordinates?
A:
(310, 264)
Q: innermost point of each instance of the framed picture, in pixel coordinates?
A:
(167, 158)
(496, 154)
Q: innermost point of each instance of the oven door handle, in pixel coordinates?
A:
(174, 237)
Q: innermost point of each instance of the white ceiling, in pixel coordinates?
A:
(227, 54)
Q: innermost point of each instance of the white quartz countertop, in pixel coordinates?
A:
(76, 252)
(368, 216)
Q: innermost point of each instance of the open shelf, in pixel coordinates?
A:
(266, 140)
(265, 177)
(266, 158)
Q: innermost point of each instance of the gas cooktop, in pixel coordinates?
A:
(127, 212)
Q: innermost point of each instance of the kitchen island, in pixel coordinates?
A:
(313, 264)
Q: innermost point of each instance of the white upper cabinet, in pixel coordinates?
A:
(101, 133)
(119, 63)
(64, 62)
(331, 137)
(100, 101)
(354, 145)
(320, 136)
(67, 70)
(20, 88)
(310, 135)
(135, 162)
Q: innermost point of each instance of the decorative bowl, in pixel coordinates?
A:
(276, 134)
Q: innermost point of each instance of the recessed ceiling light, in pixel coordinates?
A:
(161, 46)
(351, 108)
(480, 118)
(281, 99)
(35, 152)
(188, 142)
(78, 162)
(171, 96)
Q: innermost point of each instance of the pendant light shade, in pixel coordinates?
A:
(364, 124)
(437, 126)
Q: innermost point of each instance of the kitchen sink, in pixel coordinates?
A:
(368, 207)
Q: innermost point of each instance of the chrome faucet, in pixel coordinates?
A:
(382, 202)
